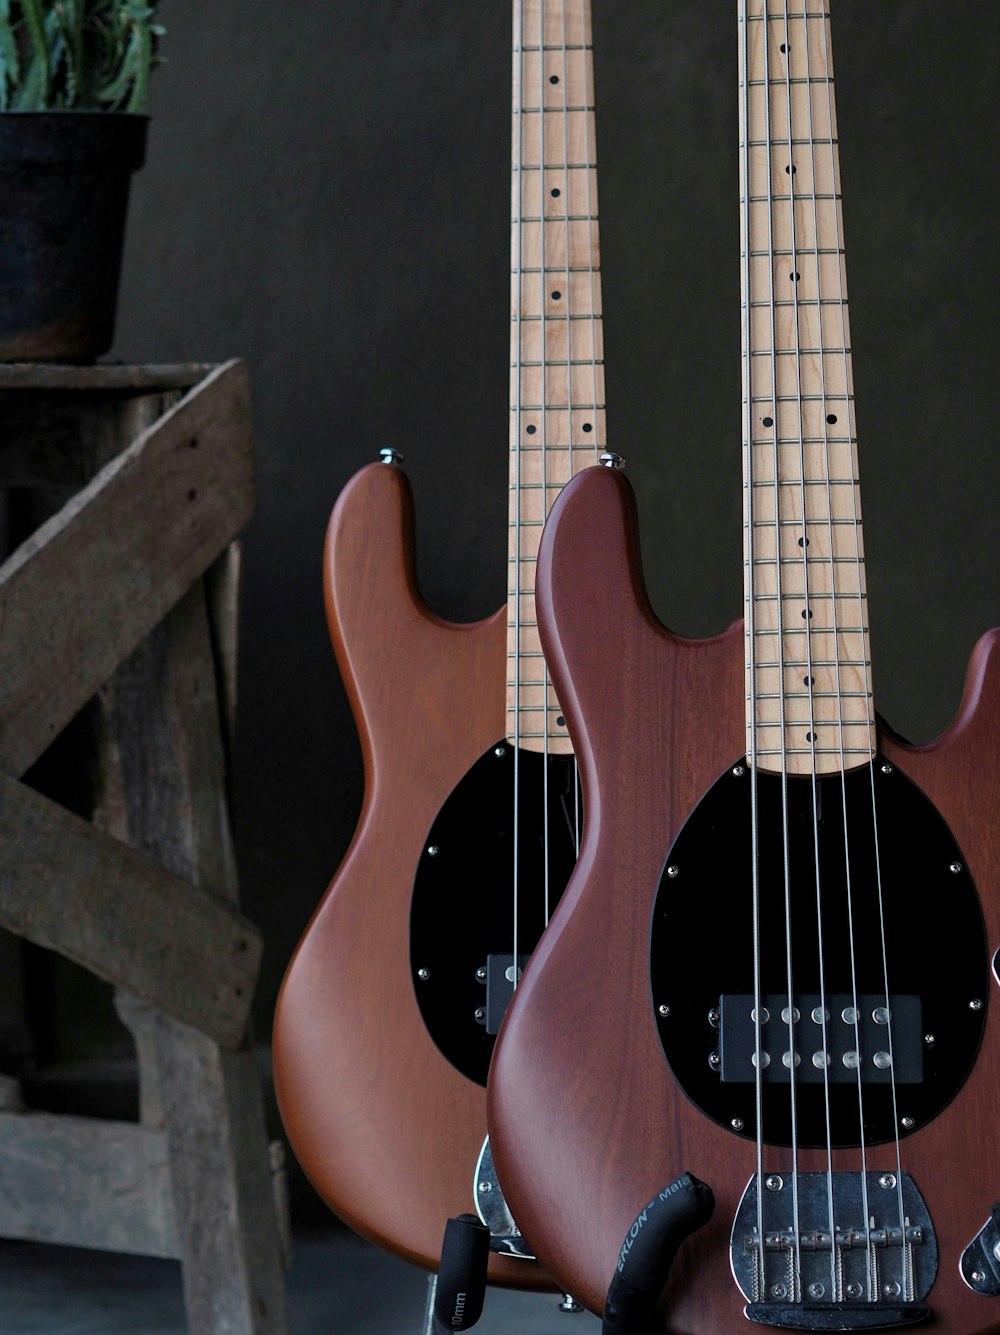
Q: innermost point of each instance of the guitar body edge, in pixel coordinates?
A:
(385, 1128)
(655, 721)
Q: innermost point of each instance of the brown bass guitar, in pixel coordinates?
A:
(775, 963)
(388, 1013)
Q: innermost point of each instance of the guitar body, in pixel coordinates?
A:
(587, 1121)
(387, 1130)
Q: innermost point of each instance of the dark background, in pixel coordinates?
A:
(327, 196)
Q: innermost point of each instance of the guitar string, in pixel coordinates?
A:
(824, 1008)
(785, 848)
(517, 334)
(868, 696)
(759, 1288)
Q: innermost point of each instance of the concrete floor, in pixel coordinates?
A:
(338, 1285)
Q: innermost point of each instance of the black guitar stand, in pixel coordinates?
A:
(632, 1306)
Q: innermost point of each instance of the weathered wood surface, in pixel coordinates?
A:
(93, 581)
(169, 800)
(71, 888)
(86, 1183)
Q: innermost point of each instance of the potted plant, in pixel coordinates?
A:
(74, 76)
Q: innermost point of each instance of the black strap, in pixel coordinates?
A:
(648, 1251)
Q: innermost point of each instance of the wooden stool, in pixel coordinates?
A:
(127, 592)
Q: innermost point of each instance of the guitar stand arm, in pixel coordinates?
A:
(648, 1251)
(461, 1279)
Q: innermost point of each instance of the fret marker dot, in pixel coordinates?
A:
(556, 192)
(553, 78)
(531, 430)
(810, 736)
(587, 426)
(784, 48)
(808, 681)
(790, 171)
(807, 613)
(794, 277)
(831, 418)
(561, 721)
(556, 296)
(768, 421)
(803, 542)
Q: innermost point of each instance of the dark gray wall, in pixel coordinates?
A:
(327, 196)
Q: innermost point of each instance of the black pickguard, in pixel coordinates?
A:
(937, 963)
(462, 912)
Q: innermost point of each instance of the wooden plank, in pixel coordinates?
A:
(93, 581)
(107, 378)
(72, 888)
(162, 709)
(86, 1183)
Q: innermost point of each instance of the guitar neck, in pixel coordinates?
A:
(809, 702)
(557, 348)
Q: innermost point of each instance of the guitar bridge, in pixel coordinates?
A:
(835, 1272)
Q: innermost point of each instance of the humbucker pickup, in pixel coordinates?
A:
(844, 1038)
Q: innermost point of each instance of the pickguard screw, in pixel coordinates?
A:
(423, 974)
(907, 1123)
(739, 771)
(713, 1018)
(663, 1009)
(975, 1004)
(929, 1040)
(773, 1183)
(433, 851)
(887, 768)
(480, 1013)
(891, 1290)
(673, 871)
(887, 1181)
(854, 1290)
(816, 1290)
(715, 1060)
(955, 868)
(778, 1290)
(481, 974)
(977, 1277)
(737, 1123)
(499, 750)
(390, 456)
(484, 1187)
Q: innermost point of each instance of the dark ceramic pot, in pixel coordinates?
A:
(64, 182)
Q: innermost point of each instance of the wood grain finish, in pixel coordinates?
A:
(387, 1130)
(655, 720)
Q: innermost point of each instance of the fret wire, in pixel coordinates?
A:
(554, 166)
(787, 199)
(529, 111)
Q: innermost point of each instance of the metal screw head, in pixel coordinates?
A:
(481, 973)
(881, 1015)
(778, 1290)
(390, 456)
(423, 974)
(480, 1013)
(955, 868)
(663, 1009)
(612, 460)
(816, 1290)
(673, 871)
(854, 1290)
(907, 1123)
(773, 1182)
(891, 1290)
(714, 1017)
(737, 1123)
(977, 1277)
(499, 750)
(887, 1181)
(714, 1060)
(887, 768)
(433, 851)
(569, 1304)
(739, 771)
(485, 1187)
(975, 1004)
(929, 1040)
